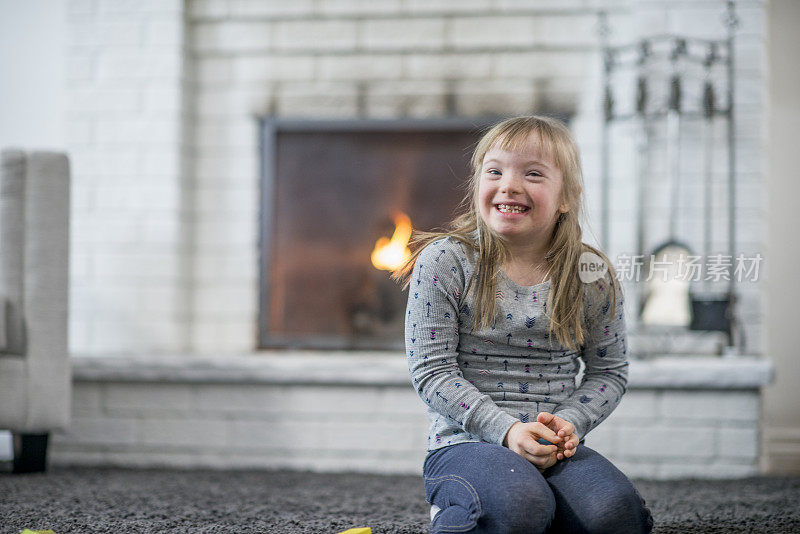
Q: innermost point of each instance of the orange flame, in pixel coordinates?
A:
(389, 254)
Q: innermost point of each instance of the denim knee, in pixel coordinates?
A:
(518, 504)
(521, 505)
(621, 512)
(484, 487)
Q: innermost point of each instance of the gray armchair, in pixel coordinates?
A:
(35, 377)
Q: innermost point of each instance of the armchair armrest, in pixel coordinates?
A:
(3, 326)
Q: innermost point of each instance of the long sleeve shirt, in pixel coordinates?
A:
(478, 383)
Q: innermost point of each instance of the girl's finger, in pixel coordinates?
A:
(544, 449)
(538, 461)
(545, 417)
(532, 458)
(572, 438)
(545, 432)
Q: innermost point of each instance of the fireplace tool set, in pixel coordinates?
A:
(682, 90)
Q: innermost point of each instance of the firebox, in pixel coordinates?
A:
(336, 194)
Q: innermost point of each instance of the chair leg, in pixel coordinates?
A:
(30, 453)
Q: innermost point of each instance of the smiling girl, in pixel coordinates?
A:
(496, 325)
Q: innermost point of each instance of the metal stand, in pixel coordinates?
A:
(709, 312)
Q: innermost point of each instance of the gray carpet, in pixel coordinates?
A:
(89, 500)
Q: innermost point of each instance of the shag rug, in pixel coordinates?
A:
(96, 500)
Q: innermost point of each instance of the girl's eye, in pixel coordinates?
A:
(493, 171)
(534, 173)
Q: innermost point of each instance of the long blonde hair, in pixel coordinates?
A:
(565, 299)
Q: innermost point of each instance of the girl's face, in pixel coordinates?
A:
(528, 180)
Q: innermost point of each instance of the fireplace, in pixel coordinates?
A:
(330, 191)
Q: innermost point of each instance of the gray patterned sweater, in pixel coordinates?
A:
(477, 383)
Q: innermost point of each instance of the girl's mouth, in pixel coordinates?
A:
(511, 211)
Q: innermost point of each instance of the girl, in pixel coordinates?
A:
(497, 319)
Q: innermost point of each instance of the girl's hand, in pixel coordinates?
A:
(565, 430)
(522, 438)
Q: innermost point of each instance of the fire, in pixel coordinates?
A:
(389, 254)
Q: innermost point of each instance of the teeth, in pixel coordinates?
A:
(510, 209)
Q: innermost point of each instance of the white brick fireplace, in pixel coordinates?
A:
(164, 101)
(163, 137)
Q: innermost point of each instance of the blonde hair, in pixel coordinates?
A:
(565, 299)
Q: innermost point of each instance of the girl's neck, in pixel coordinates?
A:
(527, 270)
(528, 258)
(526, 275)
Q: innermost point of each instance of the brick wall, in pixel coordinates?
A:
(162, 121)
(683, 434)
(244, 426)
(129, 151)
(253, 413)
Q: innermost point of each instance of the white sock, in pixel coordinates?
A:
(434, 510)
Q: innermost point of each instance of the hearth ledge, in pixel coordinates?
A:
(389, 369)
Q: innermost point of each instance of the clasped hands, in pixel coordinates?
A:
(522, 438)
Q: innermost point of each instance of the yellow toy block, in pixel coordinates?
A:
(365, 530)
(29, 531)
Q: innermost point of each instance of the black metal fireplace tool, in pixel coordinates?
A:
(696, 308)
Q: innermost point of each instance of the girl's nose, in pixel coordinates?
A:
(510, 183)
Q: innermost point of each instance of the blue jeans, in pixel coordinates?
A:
(483, 487)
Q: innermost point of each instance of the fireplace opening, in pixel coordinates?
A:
(331, 192)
